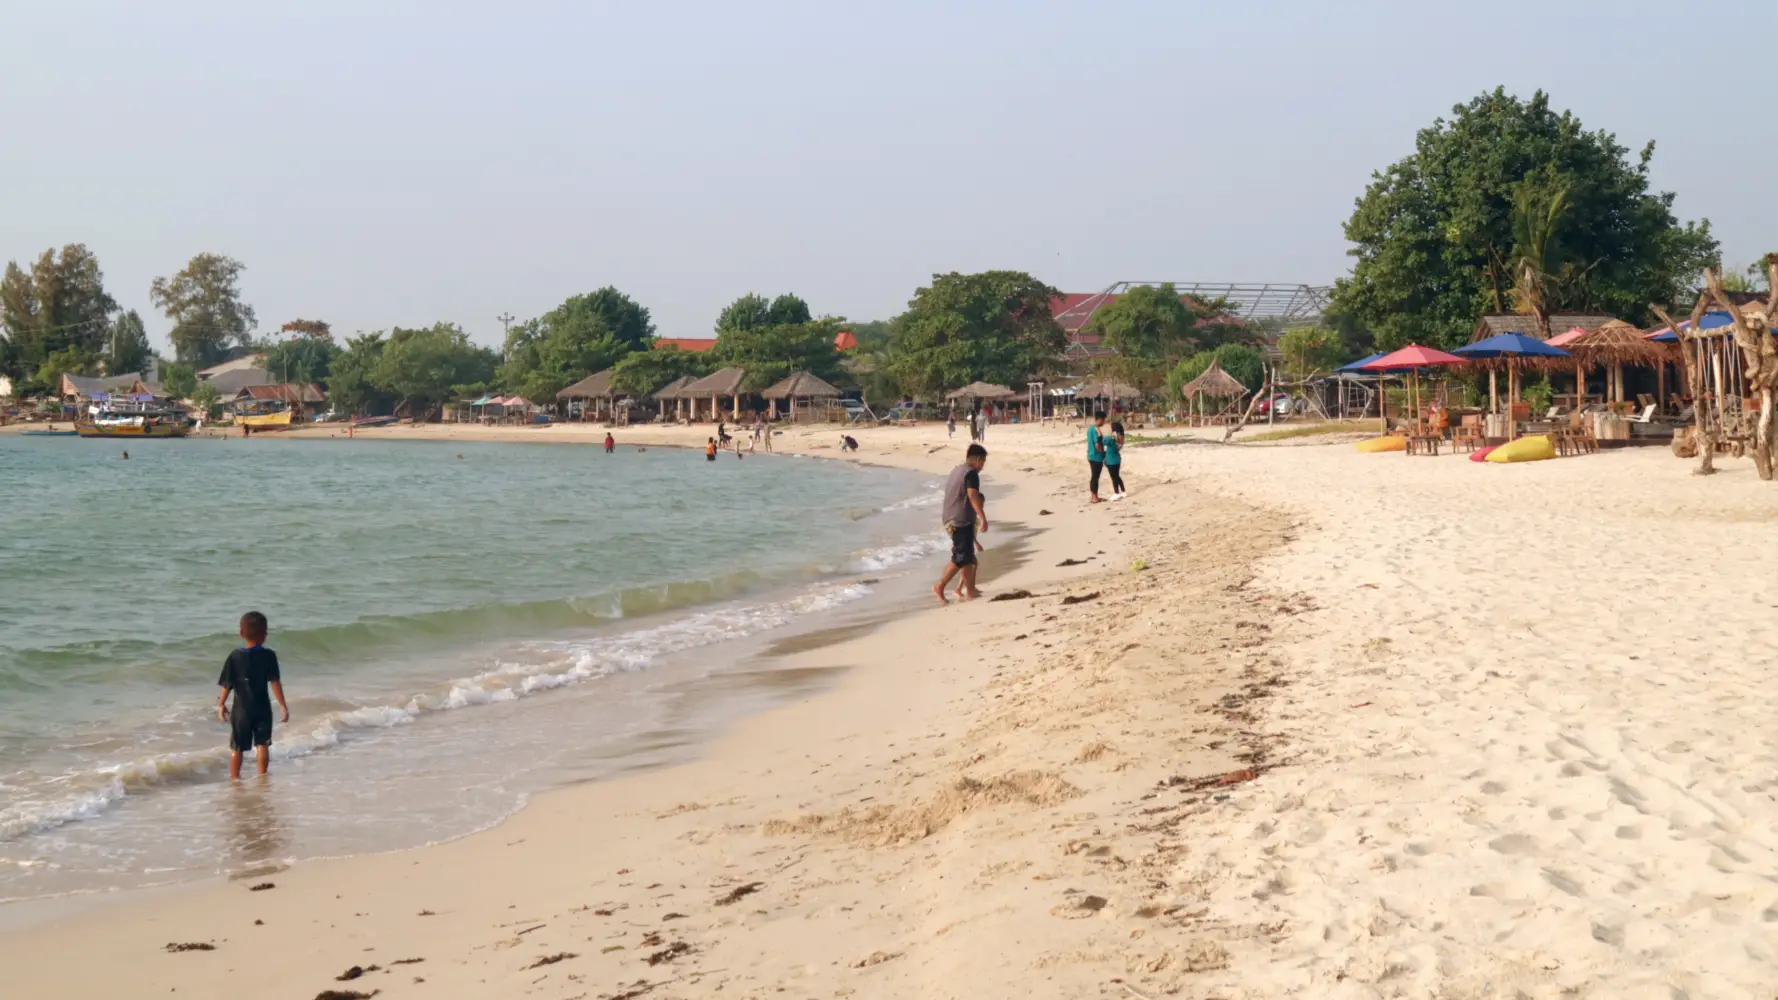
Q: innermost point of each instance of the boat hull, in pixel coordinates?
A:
(151, 431)
(266, 421)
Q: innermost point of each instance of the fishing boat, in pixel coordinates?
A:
(119, 415)
(49, 433)
(275, 421)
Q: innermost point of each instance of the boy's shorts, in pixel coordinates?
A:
(249, 729)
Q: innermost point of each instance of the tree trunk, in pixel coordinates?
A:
(1762, 436)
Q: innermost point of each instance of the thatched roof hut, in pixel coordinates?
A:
(672, 389)
(595, 386)
(723, 382)
(801, 385)
(714, 386)
(980, 390)
(1107, 389)
(1495, 324)
(1613, 343)
(1214, 382)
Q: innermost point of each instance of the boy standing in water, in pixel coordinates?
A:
(248, 672)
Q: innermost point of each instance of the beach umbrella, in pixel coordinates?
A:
(1358, 365)
(1510, 347)
(1411, 358)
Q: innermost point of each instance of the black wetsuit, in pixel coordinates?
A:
(249, 673)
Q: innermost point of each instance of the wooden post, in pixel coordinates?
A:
(1580, 386)
(1493, 393)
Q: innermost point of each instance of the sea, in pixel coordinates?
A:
(460, 626)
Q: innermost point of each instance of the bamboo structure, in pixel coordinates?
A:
(597, 388)
(1752, 331)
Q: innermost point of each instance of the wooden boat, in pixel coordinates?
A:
(49, 433)
(121, 429)
(132, 416)
(277, 421)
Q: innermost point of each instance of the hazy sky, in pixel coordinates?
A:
(377, 163)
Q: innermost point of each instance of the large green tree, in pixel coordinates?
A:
(351, 376)
(127, 348)
(751, 312)
(644, 372)
(204, 303)
(994, 326)
(583, 335)
(424, 368)
(59, 303)
(1447, 233)
(772, 338)
(302, 359)
(771, 353)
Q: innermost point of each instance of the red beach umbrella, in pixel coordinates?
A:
(1412, 358)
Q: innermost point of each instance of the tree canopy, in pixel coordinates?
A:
(179, 380)
(204, 303)
(1310, 349)
(424, 368)
(351, 376)
(994, 326)
(302, 359)
(1152, 327)
(644, 372)
(59, 303)
(1246, 364)
(1447, 233)
(127, 348)
(583, 335)
(773, 339)
(751, 312)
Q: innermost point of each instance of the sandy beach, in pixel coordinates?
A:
(1291, 721)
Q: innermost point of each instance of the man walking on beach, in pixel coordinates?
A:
(964, 515)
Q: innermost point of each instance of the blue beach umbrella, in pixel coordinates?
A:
(1714, 320)
(1359, 364)
(1510, 346)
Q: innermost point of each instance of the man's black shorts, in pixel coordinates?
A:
(963, 545)
(248, 729)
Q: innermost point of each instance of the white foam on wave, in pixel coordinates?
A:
(553, 665)
(931, 498)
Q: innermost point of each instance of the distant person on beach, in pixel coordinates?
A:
(721, 434)
(951, 424)
(981, 424)
(709, 449)
(247, 673)
(610, 443)
(848, 443)
(1114, 458)
(1096, 453)
(964, 515)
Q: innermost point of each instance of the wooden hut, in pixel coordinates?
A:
(1611, 346)
(725, 382)
(1215, 384)
(670, 393)
(802, 386)
(595, 389)
(976, 392)
(1495, 324)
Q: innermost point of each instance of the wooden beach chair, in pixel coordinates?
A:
(1467, 436)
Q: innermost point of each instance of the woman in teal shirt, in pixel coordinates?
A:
(1096, 453)
(1114, 458)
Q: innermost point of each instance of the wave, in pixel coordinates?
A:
(534, 667)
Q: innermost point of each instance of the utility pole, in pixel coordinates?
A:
(505, 319)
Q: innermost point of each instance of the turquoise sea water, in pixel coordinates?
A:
(459, 624)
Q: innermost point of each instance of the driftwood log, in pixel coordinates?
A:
(1703, 436)
(1759, 357)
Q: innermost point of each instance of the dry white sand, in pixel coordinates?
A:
(1364, 726)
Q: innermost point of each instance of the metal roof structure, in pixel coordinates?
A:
(1298, 304)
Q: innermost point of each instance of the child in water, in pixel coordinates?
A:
(709, 449)
(248, 672)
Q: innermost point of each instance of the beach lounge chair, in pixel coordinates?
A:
(1648, 414)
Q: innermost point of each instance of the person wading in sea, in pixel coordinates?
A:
(964, 514)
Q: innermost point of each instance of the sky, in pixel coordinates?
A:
(379, 163)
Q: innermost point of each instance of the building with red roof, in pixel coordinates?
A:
(697, 344)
